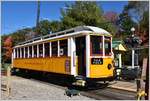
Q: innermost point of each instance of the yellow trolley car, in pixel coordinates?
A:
(81, 51)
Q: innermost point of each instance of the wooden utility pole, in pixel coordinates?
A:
(38, 18)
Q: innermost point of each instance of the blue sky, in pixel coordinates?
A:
(20, 14)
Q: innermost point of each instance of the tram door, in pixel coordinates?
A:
(81, 53)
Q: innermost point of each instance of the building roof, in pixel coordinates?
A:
(118, 45)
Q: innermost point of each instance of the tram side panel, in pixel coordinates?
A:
(55, 64)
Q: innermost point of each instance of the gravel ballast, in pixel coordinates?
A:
(28, 89)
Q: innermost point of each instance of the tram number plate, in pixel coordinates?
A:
(97, 61)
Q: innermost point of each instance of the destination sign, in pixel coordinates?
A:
(97, 61)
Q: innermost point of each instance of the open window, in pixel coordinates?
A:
(35, 50)
(96, 45)
(40, 50)
(63, 47)
(26, 52)
(18, 52)
(107, 45)
(30, 51)
(22, 50)
(54, 46)
(47, 49)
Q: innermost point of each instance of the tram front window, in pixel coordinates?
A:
(96, 45)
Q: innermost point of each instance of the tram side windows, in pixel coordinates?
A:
(15, 52)
(63, 47)
(54, 46)
(40, 50)
(96, 45)
(107, 46)
(35, 50)
(30, 51)
(47, 49)
(18, 52)
(22, 50)
(26, 52)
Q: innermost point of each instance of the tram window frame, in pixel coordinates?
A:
(26, 52)
(54, 48)
(30, 51)
(108, 41)
(63, 44)
(47, 49)
(99, 42)
(41, 50)
(22, 52)
(35, 51)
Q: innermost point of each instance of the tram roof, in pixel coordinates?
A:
(69, 32)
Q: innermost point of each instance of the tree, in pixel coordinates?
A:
(125, 23)
(84, 13)
(136, 9)
(55, 26)
(7, 49)
(44, 27)
(20, 35)
(111, 16)
(139, 11)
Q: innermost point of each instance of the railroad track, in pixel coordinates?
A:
(98, 92)
(110, 94)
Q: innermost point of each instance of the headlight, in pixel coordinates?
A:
(109, 66)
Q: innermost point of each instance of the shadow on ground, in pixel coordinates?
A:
(60, 80)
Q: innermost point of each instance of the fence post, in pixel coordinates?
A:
(8, 87)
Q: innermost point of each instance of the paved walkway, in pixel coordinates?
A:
(124, 85)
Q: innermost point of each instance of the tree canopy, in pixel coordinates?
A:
(85, 13)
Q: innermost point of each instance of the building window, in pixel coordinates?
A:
(63, 47)
(30, 51)
(40, 50)
(35, 50)
(22, 50)
(26, 52)
(54, 48)
(97, 45)
(47, 49)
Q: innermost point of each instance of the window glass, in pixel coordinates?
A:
(40, 50)
(54, 48)
(107, 46)
(35, 50)
(47, 49)
(30, 51)
(63, 47)
(96, 43)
